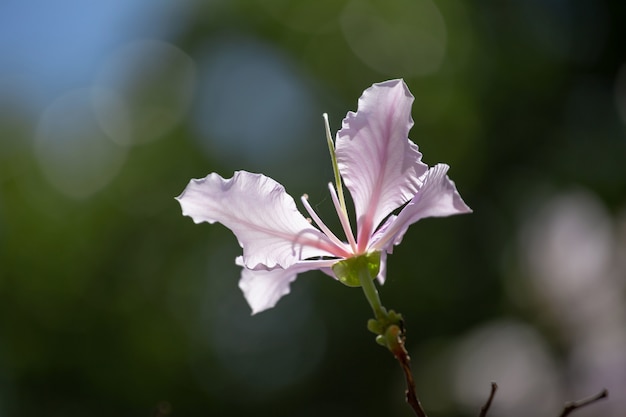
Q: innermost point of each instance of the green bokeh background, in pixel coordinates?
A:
(113, 303)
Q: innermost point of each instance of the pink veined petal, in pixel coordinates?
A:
(263, 217)
(262, 289)
(437, 197)
(381, 232)
(378, 162)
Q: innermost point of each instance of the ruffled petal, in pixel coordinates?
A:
(378, 162)
(263, 289)
(437, 197)
(263, 217)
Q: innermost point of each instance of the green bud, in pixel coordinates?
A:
(396, 318)
(374, 326)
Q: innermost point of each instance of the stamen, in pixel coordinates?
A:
(333, 157)
(343, 218)
(305, 201)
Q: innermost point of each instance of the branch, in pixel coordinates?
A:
(485, 408)
(395, 343)
(569, 407)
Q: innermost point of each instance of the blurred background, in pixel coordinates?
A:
(113, 303)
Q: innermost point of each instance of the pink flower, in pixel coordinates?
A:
(383, 171)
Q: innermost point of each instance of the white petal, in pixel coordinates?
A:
(437, 197)
(263, 217)
(262, 289)
(378, 162)
(381, 232)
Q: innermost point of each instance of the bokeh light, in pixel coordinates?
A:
(407, 38)
(252, 102)
(76, 141)
(517, 358)
(49, 48)
(570, 252)
(157, 82)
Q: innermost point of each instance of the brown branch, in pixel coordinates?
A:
(395, 338)
(569, 407)
(485, 408)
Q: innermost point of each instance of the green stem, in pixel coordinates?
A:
(371, 293)
(388, 325)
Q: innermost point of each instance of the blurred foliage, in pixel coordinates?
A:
(115, 304)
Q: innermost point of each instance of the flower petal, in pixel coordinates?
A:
(262, 216)
(378, 162)
(381, 232)
(437, 197)
(262, 289)
(382, 272)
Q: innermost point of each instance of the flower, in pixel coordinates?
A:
(383, 171)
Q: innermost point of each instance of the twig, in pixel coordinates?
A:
(569, 407)
(485, 408)
(396, 337)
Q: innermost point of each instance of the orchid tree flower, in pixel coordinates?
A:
(384, 173)
(383, 170)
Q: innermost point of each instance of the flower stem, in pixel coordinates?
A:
(389, 328)
(371, 293)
